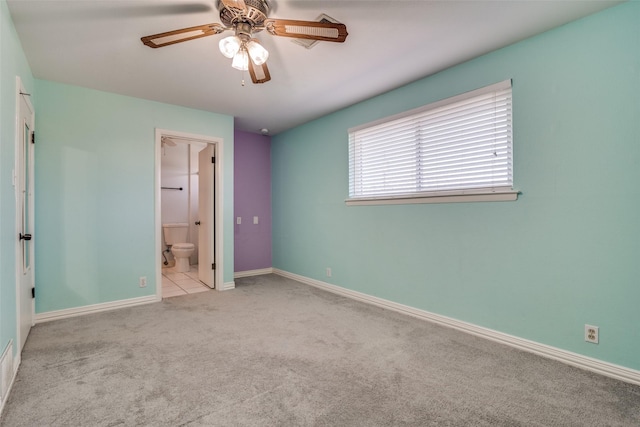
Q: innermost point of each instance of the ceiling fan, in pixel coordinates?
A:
(245, 18)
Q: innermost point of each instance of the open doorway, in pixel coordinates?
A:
(187, 218)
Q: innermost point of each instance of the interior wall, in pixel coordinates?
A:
(12, 63)
(95, 192)
(175, 174)
(563, 255)
(174, 205)
(252, 178)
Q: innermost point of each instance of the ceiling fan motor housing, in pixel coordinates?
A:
(255, 14)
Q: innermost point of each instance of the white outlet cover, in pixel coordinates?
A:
(591, 334)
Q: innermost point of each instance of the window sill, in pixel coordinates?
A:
(502, 196)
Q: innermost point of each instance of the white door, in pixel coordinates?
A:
(206, 214)
(24, 189)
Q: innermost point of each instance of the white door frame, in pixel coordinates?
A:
(22, 95)
(219, 200)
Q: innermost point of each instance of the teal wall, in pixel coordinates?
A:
(565, 254)
(12, 63)
(95, 192)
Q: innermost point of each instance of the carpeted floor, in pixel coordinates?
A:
(274, 352)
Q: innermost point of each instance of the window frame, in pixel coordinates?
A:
(497, 193)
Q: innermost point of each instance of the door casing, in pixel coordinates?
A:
(218, 220)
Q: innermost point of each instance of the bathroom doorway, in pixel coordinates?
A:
(188, 194)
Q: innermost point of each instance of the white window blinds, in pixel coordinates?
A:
(460, 145)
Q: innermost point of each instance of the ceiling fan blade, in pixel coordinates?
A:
(325, 31)
(259, 73)
(182, 35)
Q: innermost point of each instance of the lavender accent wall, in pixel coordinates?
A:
(252, 197)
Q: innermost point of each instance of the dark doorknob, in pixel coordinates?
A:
(197, 222)
(25, 236)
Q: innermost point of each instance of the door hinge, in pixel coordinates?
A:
(213, 160)
(33, 137)
(213, 266)
(33, 292)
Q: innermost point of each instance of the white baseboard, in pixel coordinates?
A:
(16, 365)
(94, 308)
(594, 365)
(248, 273)
(228, 286)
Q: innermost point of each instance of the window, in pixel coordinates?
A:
(457, 149)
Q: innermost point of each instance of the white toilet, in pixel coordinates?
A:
(175, 236)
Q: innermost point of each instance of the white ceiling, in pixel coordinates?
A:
(96, 44)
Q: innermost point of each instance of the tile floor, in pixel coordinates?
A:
(175, 284)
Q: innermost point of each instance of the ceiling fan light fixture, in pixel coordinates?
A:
(230, 46)
(245, 18)
(241, 60)
(257, 52)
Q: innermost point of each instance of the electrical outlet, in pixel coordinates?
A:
(591, 334)
(143, 281)
(328, 271)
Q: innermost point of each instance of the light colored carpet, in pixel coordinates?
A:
(274, 352)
